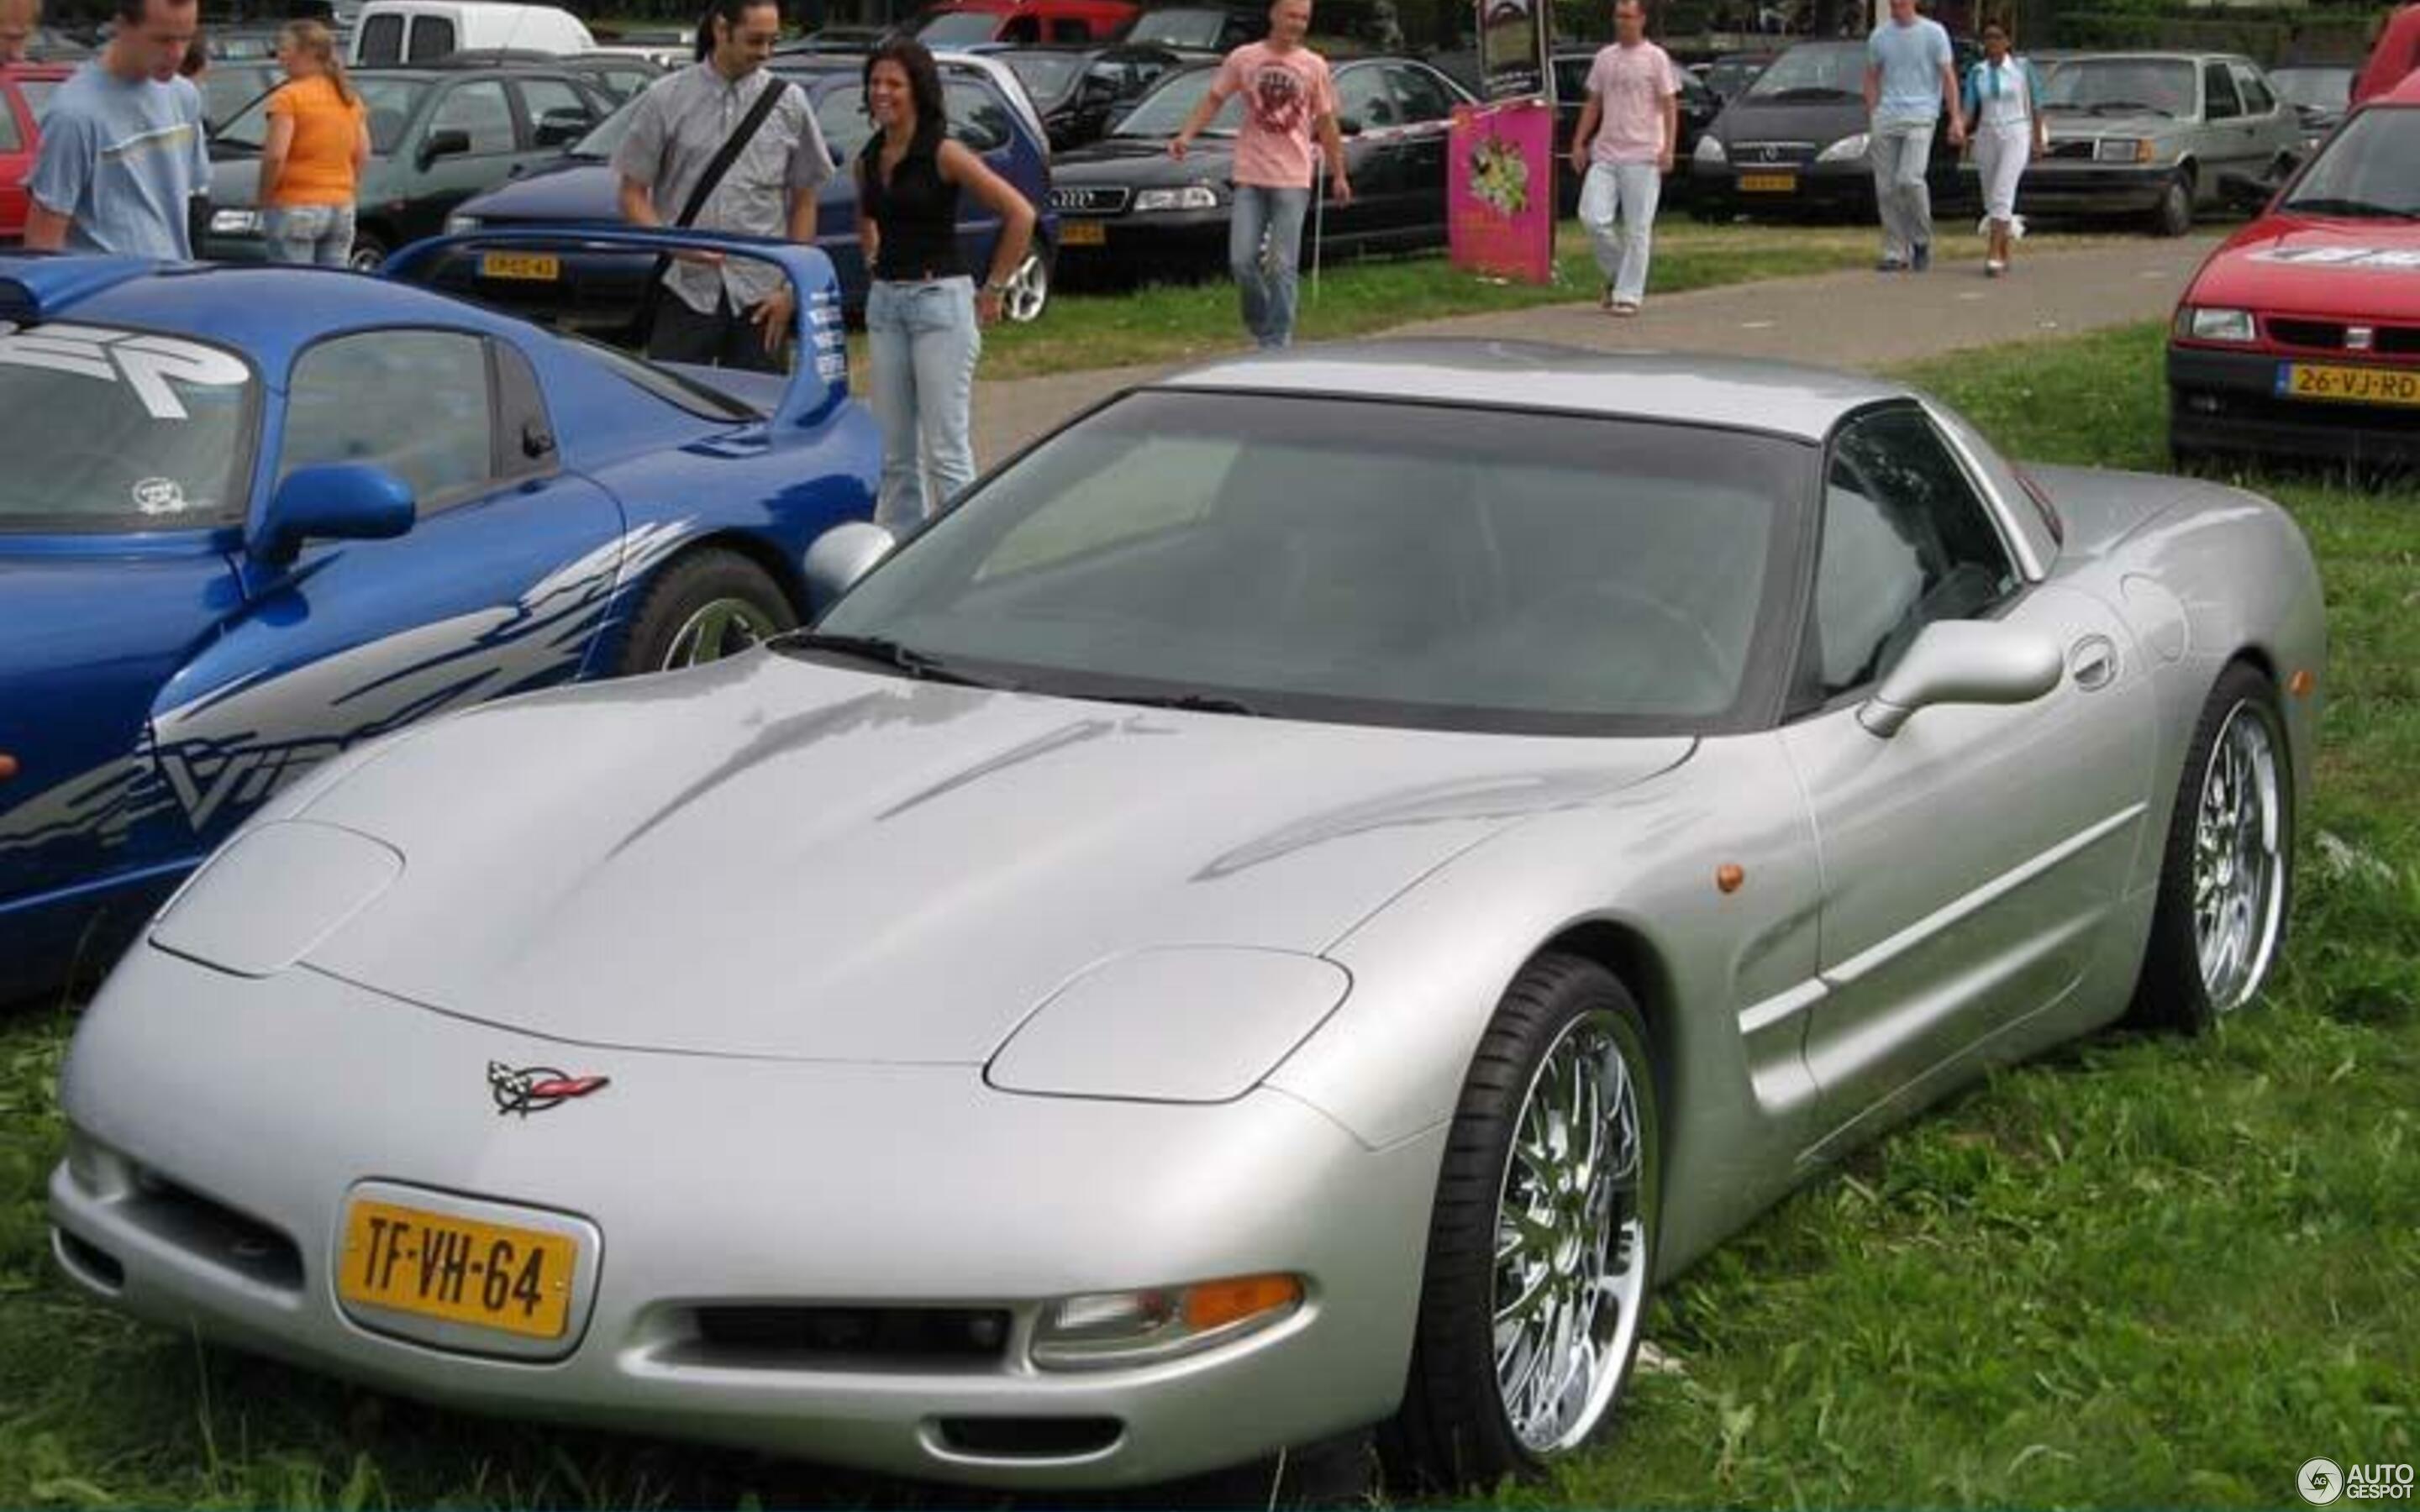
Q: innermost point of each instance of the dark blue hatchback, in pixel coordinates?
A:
(601, 293)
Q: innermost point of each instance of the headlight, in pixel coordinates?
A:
(1849, 148)
(1710, 151)
(456, 226)
(2123, 149)
(235, 222)
(1191, 197)
(2215, 324)
(1104, 1330)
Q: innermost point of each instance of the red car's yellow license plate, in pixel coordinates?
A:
(461, 1271)
(1075, 233)
(1768, 183)
(2361, 385)
(537, 268)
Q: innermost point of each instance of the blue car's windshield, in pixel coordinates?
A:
(120, 430)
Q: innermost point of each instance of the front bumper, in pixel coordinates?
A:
(2227, 402)
(1161, 241)
(220, 1123)
(1828, 189)
(2055, 186)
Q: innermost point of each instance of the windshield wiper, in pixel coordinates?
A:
(923, 666)
(1808, 91)
(2114, 107)
(2328, 205)
(1190, 703)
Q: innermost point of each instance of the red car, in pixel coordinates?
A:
(1022, 23)
(25, 89)
(2300, 336)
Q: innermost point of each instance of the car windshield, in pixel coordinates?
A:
(956, 28)
(1414, 564)
(2329, 89)
(1725, 75)
(2116, 85)
(389, 101)
(1161, 112)
(1813, 73)
(230, 87)
(1176, 27)
(1046, 75)
(107, 429)
(2369, 170)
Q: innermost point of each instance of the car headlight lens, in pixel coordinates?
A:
(2123, 149)
(1191, 197)
(1849, 148)
(458, 226)
(1105, 1330)
(235, 222)
(1710, 151)
(2213, 324)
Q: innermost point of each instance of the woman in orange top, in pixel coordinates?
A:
(318, 138)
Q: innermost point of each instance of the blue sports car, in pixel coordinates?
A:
(253, 515)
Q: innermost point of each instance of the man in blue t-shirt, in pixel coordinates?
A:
(122, 144)
(1909, 81)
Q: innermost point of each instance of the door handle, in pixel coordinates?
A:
(2093, 662)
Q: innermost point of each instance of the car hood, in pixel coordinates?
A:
(1143, 161)
(572, 189)
(776, 857)
(2287, 264)
(1821, 122)
(2063, 124)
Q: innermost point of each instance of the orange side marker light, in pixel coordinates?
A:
(1729, 877)
(7, 767)
(2301, 683)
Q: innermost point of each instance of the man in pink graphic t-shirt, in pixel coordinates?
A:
(1623, 144)
(1288, 99)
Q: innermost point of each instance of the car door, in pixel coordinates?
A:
(474, 116)
(496, 588)
(1427, 103)
(1365, 101)
(2276, 130)
(2230, 139)
(1974, 861)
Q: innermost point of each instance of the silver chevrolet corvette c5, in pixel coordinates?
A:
(1292, 907)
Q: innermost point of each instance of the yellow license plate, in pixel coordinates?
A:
(1768, 183)
(2360, 385)
(1075, 233)
(434, 1265)
(533, 266)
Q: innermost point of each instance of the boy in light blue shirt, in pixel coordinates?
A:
(1909, 81)
(122, 153)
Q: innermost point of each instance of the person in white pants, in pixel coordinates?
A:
(1624, 145)
(2004, 123)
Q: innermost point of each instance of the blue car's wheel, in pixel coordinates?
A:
(705, 606)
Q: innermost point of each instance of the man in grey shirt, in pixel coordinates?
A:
(122, 152)
(728, 311)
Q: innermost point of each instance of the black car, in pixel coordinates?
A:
(619, 75)
(438, 137)
(1125, 207)
(1794, 141)
(1699, 108)
(1081, 90)
(1728, 74)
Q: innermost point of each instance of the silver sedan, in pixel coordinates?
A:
(1294, 905)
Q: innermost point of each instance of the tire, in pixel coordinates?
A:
(2173, 216)
(704, 607)
(2235, 764)
(369, 249)
(1028, 289)
(1560, 1015)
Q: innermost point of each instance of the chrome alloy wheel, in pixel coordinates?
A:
(1570, 1239)
(1029, 290)
(2238, 865)
(717, 628)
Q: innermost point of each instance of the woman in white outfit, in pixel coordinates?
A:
(2006, 128)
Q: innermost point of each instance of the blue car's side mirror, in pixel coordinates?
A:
(339, 500)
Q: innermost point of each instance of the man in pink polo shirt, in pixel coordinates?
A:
(1288, 97)
(1623, 144)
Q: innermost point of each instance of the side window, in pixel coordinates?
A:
(2218, 94)
(415, 402)
(1906, 542)
(382, 39)
(2257, 101)
(480, 111)
(977, 118)
(841, 112)
(544, 97)
(433, 37)
(1423, 98)
(1361, 95)
(1065, 30)
(1023, 31)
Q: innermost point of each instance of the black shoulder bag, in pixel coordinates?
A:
(724, 156)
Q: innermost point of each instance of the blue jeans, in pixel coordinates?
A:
(924, 340)
(321, 234)
(1266, 277)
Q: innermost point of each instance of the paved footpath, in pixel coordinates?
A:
(1853, 319)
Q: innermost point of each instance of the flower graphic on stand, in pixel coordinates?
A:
(1499, 177)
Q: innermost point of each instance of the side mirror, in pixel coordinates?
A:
(1961, 661)
(339, 500)
(842, 555)
(438, 144)
(561, 127)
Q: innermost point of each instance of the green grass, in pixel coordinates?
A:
(2140, 1273)
(1174, 322)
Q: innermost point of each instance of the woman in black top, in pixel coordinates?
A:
(923, 314)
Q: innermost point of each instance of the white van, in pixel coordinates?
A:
(421, 31)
